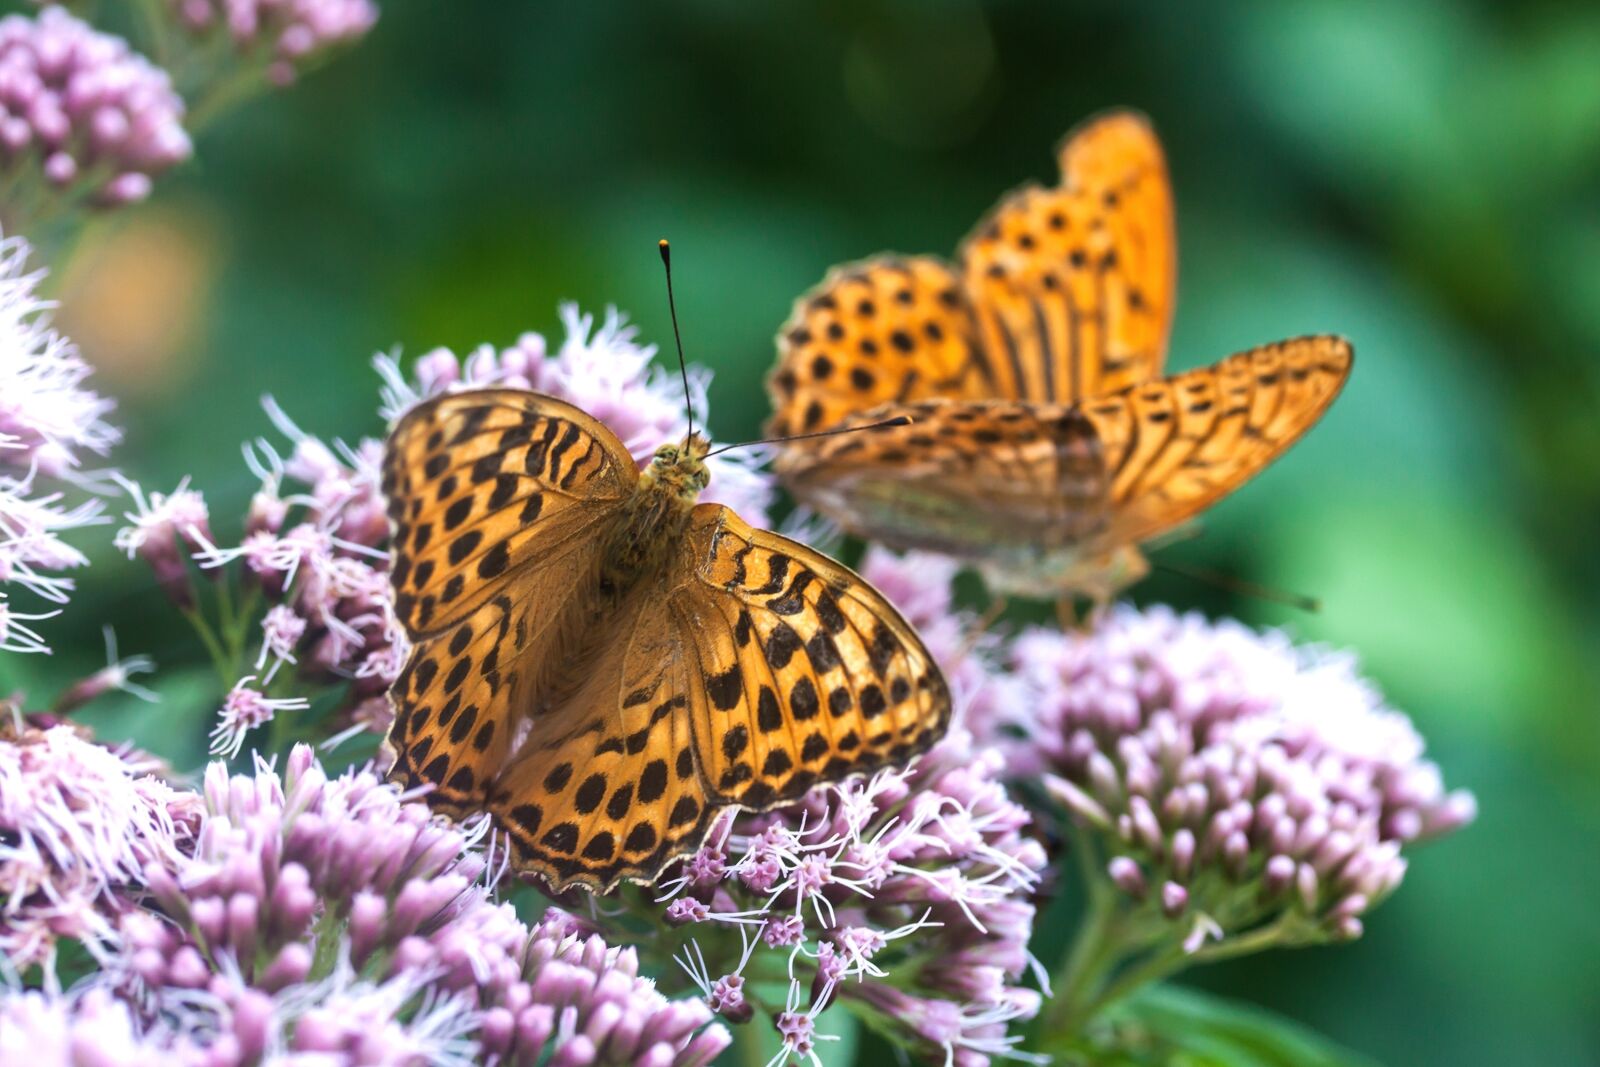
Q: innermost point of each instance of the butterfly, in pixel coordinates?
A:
(1044, 444)
(601, 663)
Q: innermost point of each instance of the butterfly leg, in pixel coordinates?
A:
(997, 607)
(1066, 612)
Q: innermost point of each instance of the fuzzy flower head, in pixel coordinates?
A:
(605, 371)
(81, 114)
(335, 917)
(906, 894)
(49, 424)
(288, 36)
(163, 530)
(1237, 785)
(78, 824)
(49, 420)
(88, 1026)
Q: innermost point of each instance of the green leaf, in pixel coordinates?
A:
(1170, 1026)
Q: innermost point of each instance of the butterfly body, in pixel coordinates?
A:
(649, 528)
(1044, 444)
(602, 663)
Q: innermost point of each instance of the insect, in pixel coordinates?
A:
(603, 664)
(1044, 446)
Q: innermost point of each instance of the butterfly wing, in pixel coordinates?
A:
(493, 495)
(804, 672)
(755, 670)
(1072, 288)
(612, 788)
(1173, 448)
(969, 478)
(885, 329)
(1061, 293)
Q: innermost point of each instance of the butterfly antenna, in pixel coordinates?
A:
(898, 420)
(1235, 584)
(683, 368)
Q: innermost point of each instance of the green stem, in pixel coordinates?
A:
(221, 97)
(1095, 951)
(748, 1048)
(1160, 964)
(1270, 936)
(153, 26)
(208, 637)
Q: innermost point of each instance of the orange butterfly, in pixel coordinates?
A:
(602, 664)
(1044, 446)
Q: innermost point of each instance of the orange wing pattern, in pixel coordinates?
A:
(482, 483)
(1073, 287)
(493, 495)
(808, 673)
(603, 725)
(963, 477)
(1172, 448)
(1061, 294)
(609, 785)
(1044, 444)
(886, 329)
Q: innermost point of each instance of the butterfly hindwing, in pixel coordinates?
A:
(962, 476)
(612, 787)
(806, 673)
(1174, 447)
(456, 707)
(1072, 287)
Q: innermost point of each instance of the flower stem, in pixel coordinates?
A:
(1158, 965)
(219, 657)
(747, 1044)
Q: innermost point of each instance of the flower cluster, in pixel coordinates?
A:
(311, 549)
(1241, 789)
(334, 916)
(88, 1026)
(905, 894)
(287, 35)
(78, 825)
(81, 114)
(49, 423)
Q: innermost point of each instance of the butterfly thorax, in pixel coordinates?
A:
(655, 517)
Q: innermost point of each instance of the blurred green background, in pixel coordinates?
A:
(1423, 178)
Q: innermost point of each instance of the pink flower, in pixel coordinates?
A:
(1234, 781)
(915, 880)
(82, 112)
(329, 915)
(244, 709)
(287, 35)
(78, 824)
(163, 530)
(49, 423)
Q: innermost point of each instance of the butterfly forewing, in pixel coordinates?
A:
(1172, 448)
(808, 674)
(1072, 286)
(885, 329)
(482, 483)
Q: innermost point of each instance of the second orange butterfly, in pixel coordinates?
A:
(1045, 445)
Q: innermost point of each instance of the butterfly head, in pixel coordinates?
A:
(679, 468)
